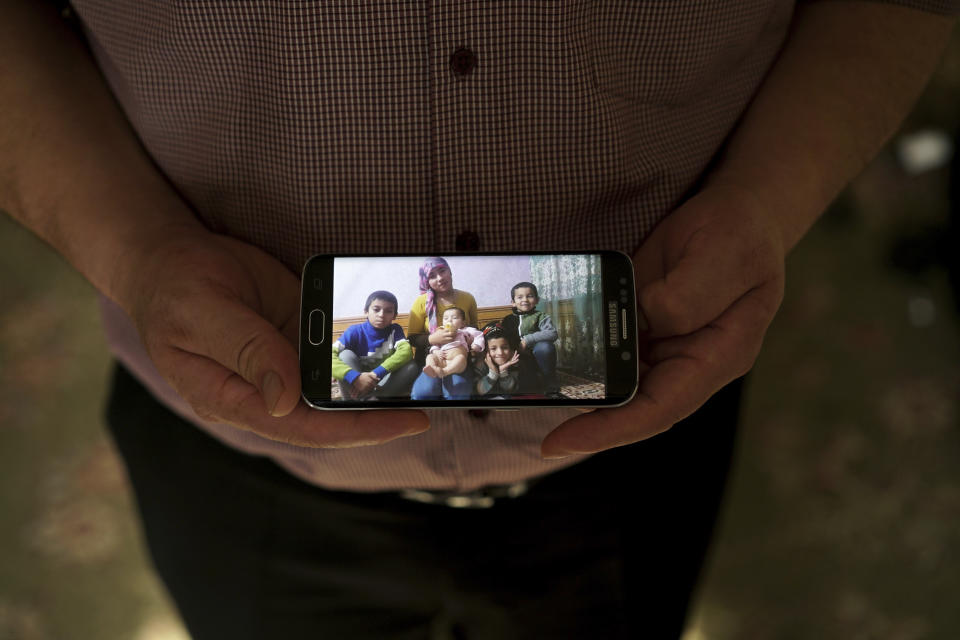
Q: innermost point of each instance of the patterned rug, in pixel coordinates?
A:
(570, 386)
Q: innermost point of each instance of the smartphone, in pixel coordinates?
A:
(512, 331)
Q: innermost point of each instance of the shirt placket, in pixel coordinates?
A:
(456, 78)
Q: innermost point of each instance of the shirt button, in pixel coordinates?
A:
(462, 61)
(468, 241)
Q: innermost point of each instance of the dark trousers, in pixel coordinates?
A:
(609, 548)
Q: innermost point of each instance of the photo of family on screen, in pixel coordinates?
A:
(513, 327)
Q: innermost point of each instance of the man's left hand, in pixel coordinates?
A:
(710, 279)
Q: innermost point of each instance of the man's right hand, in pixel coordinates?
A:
(219, 319)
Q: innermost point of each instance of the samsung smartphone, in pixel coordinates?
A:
(525, 330)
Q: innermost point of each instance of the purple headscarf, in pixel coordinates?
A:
(429, 265)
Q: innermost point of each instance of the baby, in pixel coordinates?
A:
(452, 357)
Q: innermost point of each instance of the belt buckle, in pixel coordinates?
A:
(477, 499)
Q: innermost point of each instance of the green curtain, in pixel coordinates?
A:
(570, 291)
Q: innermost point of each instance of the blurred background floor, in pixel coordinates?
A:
(843, 510)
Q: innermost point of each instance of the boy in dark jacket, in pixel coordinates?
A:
(536, 333)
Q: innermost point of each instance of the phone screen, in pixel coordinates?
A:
(474, 330)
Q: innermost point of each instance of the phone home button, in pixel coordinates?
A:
(315, 327)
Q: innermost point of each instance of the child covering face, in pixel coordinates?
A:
(451, 357)
(504, 372)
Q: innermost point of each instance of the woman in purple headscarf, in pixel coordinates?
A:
(425, 330)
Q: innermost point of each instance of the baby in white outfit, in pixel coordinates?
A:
(451, 357)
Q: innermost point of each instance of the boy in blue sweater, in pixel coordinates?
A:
(374, 359)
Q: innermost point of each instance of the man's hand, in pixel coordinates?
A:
(711, 274)
(219, 319)
(710, 279)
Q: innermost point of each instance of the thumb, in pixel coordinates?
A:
(238, 338)
(696, 290)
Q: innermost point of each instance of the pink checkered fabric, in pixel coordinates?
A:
(363, 126)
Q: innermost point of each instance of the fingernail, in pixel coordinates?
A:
(556, 455)
(272, 390)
